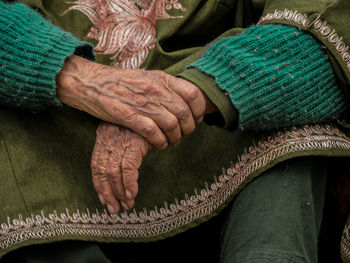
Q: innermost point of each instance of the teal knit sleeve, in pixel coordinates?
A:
(32, 52)
(276, 76)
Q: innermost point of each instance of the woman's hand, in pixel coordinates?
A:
(115, 161)
(156, 105)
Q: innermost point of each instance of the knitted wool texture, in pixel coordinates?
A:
(32, 52)
(276, 76)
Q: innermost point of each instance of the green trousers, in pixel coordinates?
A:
(276, 218)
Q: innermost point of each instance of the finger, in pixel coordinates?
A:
(131, 163)
(130, 166)
(131, 186)
(147, 128)
(167, 121)
(139, 123)
(191, 94)
(101, 181)
(113, 204)
(174, 103)
(178, 107)
(115, 176)
(170, 126)
(95, 180)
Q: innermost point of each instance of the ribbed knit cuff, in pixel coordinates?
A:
(276, 76)
(32, 52)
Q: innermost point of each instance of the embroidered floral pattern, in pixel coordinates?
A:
(165, 219)
(125, 29)
(317, 25)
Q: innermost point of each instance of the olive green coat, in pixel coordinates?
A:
(47, 193)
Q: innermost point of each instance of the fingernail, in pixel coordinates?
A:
(130, 203)
(102, 200)
(124, 205)
(128, 194)
(111, 209)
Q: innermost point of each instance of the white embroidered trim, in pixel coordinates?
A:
(128, 225)
(317, 25)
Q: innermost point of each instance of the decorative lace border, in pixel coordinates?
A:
(129, 225)
(316, 25)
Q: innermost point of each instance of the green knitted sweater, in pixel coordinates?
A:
(32, 52)
(275, 76)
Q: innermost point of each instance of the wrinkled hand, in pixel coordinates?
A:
(115, 161)
(158, 106)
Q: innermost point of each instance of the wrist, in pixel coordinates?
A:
(69, 81)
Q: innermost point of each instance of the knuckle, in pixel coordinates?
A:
(146, 87)
(184, 112)
(149, 129)
(111, 172)
(127, 114)
(128, 165)
(116, 179)
(102, 178)
(171, 124)
(100, 168)
(140, 100)
(192, 93)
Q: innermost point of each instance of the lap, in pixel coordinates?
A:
(277, 217)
